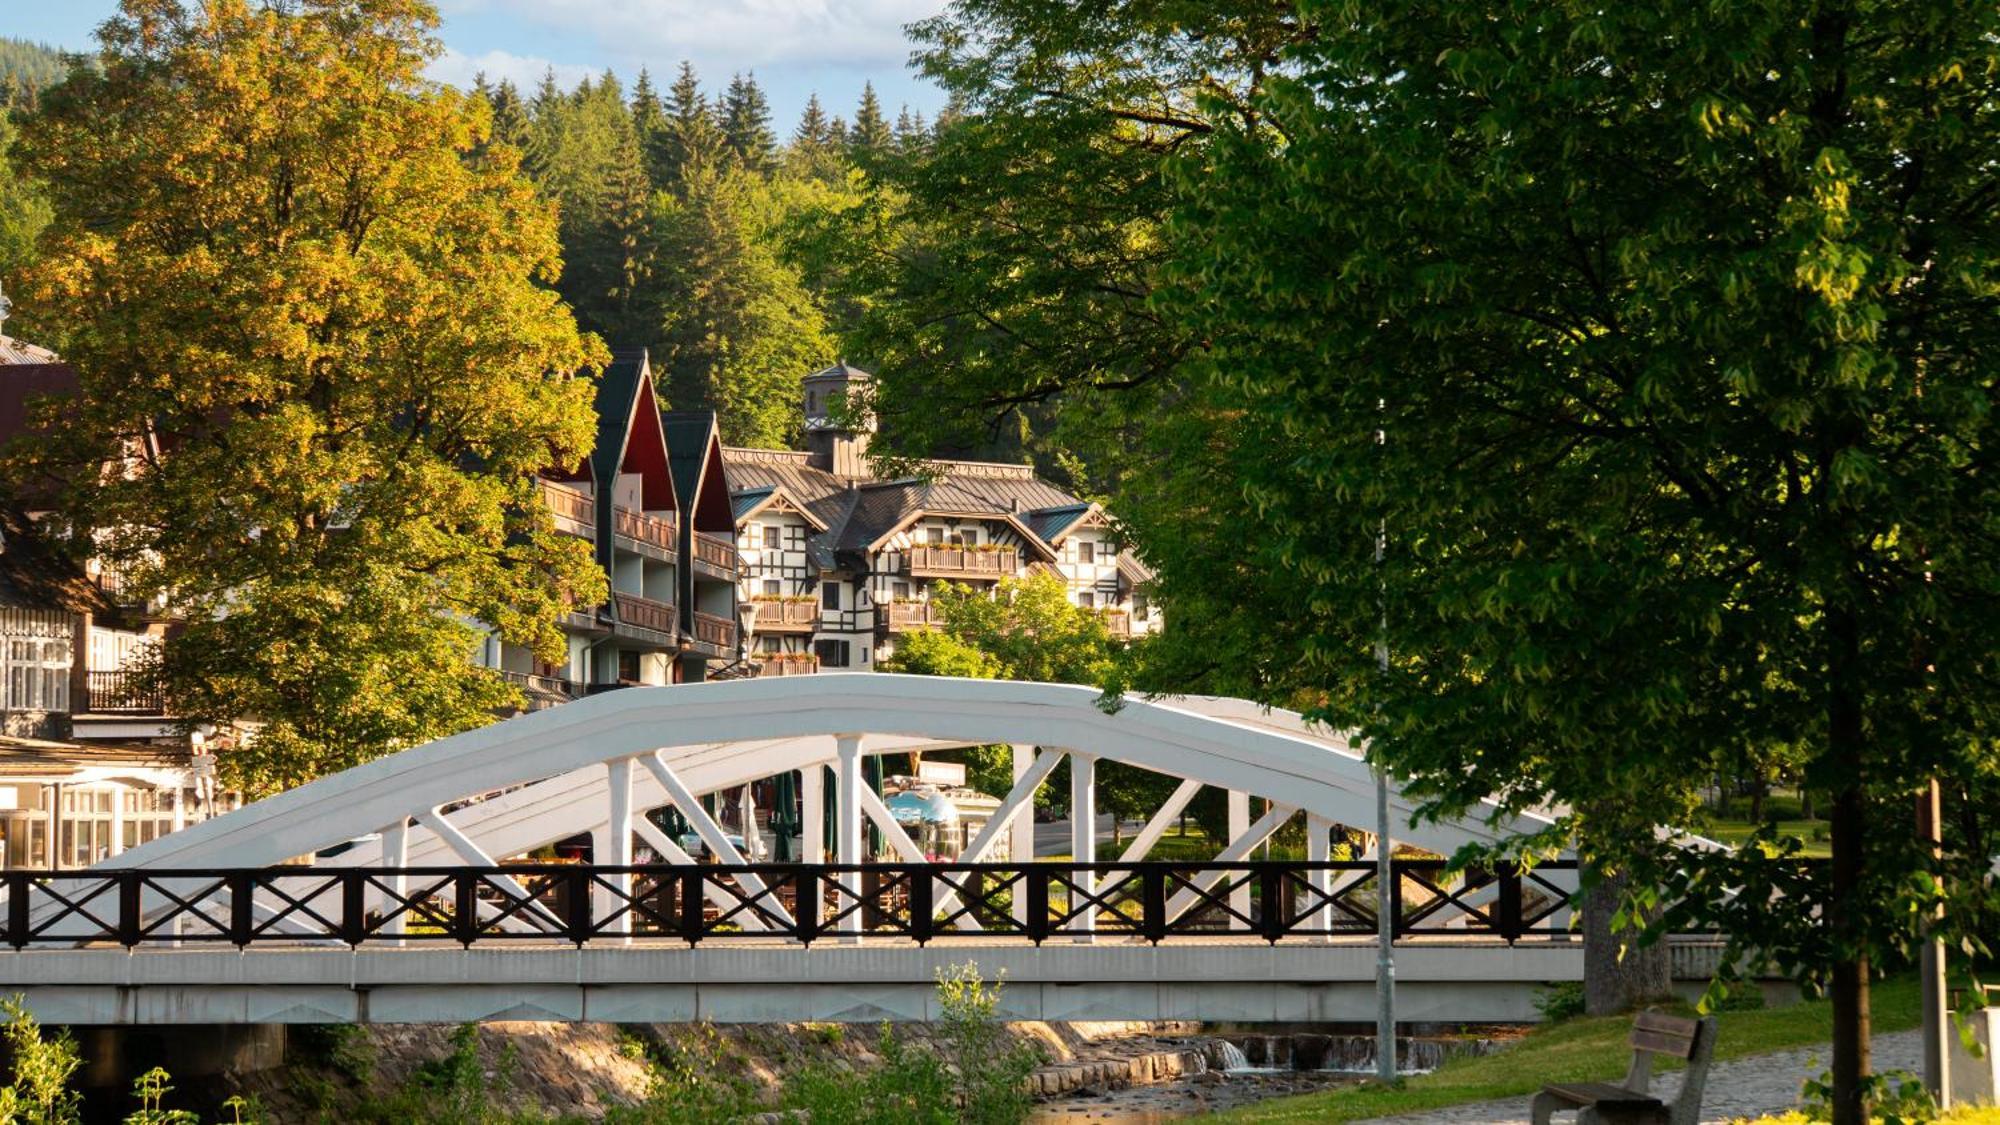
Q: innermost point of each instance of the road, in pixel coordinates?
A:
(1052, 838)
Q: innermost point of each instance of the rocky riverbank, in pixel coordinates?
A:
(581, 1070)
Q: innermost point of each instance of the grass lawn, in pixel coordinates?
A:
(1732, 825)
(1577, 1050)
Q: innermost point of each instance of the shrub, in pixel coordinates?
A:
(1560, 1002)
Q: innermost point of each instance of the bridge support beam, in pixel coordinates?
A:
(1021, 832)
(847, 828)
(812, 832)
(1239, 825)
(611, 846)
(1318, 850)
(1083, 835)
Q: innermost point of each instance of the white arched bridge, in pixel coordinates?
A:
(418, 910)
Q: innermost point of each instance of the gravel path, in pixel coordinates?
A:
(1747, 1087)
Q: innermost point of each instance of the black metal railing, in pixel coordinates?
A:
(579, 903)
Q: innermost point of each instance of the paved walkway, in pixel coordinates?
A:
(1746, 1087)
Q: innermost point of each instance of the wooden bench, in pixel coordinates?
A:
(1602, 1103)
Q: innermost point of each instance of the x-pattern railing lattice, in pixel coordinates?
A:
(694, 903)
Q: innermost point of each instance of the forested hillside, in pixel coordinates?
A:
(27, 68)
(677, 206)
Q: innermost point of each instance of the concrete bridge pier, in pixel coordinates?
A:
(191, 1054)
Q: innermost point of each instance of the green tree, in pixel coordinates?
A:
(510, 115)
(930, 652)
(317, 332)
(870, 134)
(610, 249)
(24, 209)
(1678, 333)
(746, 123)
(649, 116)
(28, 68)
(690, 138)
(1031, 628)
(738, 326)
(1028, 629)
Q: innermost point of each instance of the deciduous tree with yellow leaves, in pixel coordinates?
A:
(311, 312)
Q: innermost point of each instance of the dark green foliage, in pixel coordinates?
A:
(689, 139)
(1560, 1002)
(746, 123)
(870, 135)
(24, 208)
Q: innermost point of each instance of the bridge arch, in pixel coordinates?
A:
(538, 778)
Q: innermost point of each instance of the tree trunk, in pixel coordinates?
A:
(1846, 907)
(1851, 1032)
(1618, 974)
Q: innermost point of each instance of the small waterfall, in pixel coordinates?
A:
(1355, 1054)
(1232, 1057)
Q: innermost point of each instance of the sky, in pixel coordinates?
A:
(795, 47)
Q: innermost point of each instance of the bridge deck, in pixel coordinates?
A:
(1232, 979)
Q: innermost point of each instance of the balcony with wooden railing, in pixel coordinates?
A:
(542, 691)
(901, 617)
(644, 531)
(635, 612)
(1118, 622)
(787, 615)
(573, 511)
(715, 556)
(121, 693)
(716, 632)
(786, 664)
(978, 564)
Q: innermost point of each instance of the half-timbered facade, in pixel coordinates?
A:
(652, 500)
(840, 563)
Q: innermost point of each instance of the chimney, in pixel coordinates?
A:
(838, 443)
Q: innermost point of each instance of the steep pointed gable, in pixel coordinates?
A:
(630, 438)
(694, 450)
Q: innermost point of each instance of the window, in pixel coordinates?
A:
(968, 537)
(829, 595)
(771, 536)
(1139, 607)
(900, 591)
(1086, 551)
(771, 587)
(1087, 600)
(34, 674)
(934, 536)
(812, 402)
(832, 654)
(864, 654)
(628, 666)
(769, 643)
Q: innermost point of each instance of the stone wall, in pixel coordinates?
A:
(583, 1069)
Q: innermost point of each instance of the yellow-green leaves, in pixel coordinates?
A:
(276, 254)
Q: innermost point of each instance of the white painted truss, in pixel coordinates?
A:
(550, 775)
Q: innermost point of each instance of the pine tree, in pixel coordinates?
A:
(912, 136)
(813, 153)
(814, 131)
(691, 137)
(611, 258)
(871, 135)
(649, 120)
(746, 123)
(737, 325)
(510, 116)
